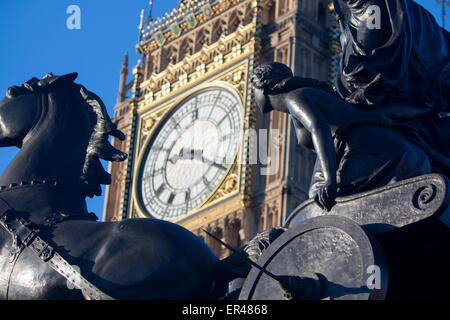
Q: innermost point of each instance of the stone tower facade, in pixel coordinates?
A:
(217, 43)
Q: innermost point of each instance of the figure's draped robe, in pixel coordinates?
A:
(410, 68)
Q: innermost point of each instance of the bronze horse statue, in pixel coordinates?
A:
(62, 130)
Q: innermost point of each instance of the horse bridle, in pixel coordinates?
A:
(25, 237)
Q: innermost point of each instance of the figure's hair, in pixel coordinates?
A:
(271, 77)
(102, 127)
(276, 77)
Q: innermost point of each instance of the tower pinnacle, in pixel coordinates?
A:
(123, 79)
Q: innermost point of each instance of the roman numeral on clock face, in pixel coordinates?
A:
(207, 184)
(171, 197)
(195, 115)
(159, 190)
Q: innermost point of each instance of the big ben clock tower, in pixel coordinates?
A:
(200, 153)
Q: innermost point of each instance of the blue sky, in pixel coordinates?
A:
(35, 40)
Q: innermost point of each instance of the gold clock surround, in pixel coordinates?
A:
(229, 188)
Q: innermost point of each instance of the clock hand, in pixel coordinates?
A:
(174, 158)
(187, 154)
(198, 155)
(193, 154)
(190, 154)
(218, 165)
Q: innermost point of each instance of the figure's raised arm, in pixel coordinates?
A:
(304, 109)
(313, 106)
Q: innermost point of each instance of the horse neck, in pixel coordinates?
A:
(37, 203)
(53, 150)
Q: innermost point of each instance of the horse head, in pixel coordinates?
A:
(62, 130)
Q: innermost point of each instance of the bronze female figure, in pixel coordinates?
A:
(357, 149)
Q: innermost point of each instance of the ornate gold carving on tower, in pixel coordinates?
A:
(230, 185)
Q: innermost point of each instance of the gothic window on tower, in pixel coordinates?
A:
(186, 48)
(319, 72)
(216, 31)
(269, 218)
(173, 58)
(213, 244)
(322, 15)
(268, 13)
(219, 28)
(232, 234)
(306, 62)
(148, 66)
(156, 61)
(233, 22)
(282, 55)
(167, 57)
(201, 39)
(260, 220)
(303, 5)
(307, 6)
(283, 6)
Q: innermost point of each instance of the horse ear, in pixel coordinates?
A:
(48, 75)
(64, 79)
(13, 91)
(67, 78)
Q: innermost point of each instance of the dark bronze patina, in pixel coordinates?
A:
(379, 195)
(50, 243)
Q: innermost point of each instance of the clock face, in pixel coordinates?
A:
(190, 153)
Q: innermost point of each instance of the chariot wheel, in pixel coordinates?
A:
(329, 257)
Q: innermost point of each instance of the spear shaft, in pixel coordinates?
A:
(270, 274)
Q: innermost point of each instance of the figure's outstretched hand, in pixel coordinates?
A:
(326, 196)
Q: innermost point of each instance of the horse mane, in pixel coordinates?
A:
(93, 174)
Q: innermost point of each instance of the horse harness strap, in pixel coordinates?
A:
(23, 237)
